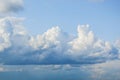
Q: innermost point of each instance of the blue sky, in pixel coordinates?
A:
(49, 44)
(102, 15)
(39, 41)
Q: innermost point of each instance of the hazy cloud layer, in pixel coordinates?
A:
(54, 46)
(102, 71)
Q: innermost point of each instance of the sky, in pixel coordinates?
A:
(102, 15)
(47, 40)
(35, 33)
(59, 32)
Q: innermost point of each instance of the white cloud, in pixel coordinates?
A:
(10, 6)
(50, 38)
(86, 46)
(52, 47)
(11, 32)
(117, 44)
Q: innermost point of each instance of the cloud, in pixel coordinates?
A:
(10, 6)
(10, 29)
(1, 69)
(106, 71)
(17, 46)
(117, 44)
(88, 47)
(64, 67)
(101, 71)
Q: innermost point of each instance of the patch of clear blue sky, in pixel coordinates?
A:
(103, 17)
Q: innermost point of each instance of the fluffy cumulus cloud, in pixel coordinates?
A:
(54, 46)
(10, 29)
(17, 46)
(10, 6)
(88, 47)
